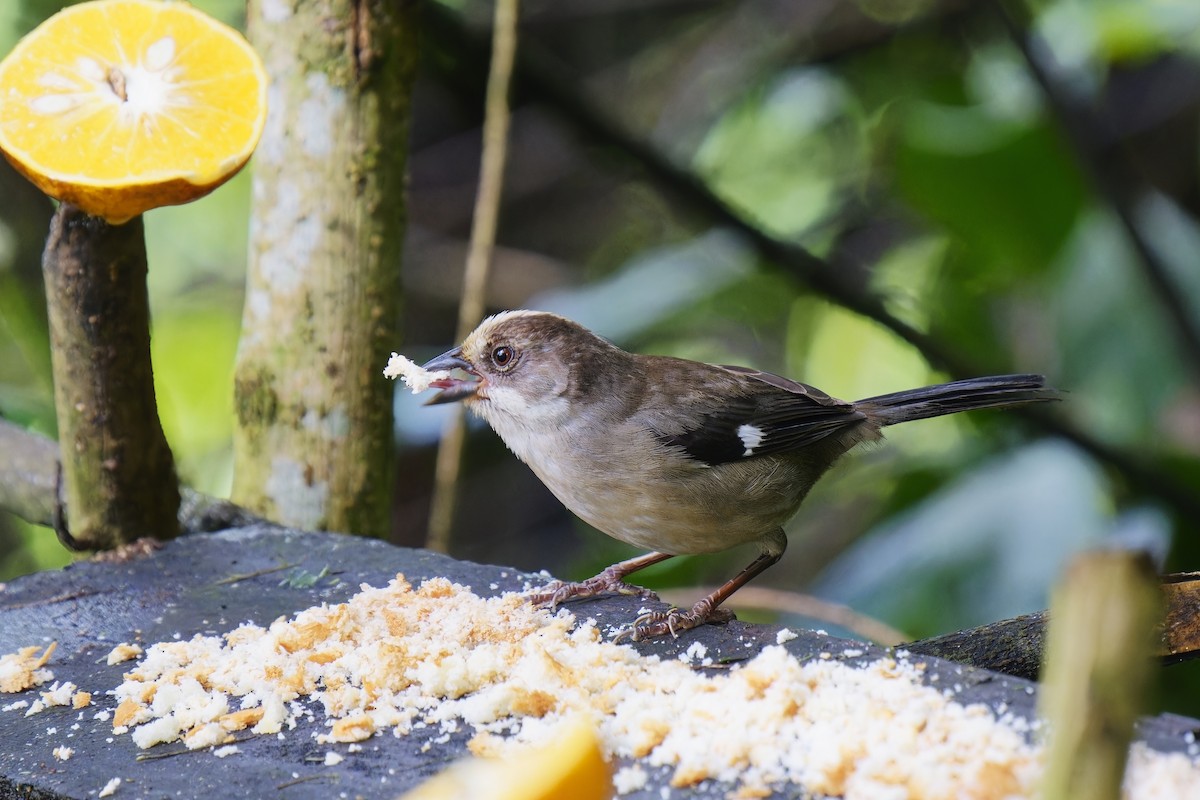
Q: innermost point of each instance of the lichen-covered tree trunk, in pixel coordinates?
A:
(313, 438)
(117, 468)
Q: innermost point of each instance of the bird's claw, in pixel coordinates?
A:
(554, 593)
(659, 623)
(557, 592)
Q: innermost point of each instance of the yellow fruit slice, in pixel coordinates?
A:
(120, 106)
(571, 768)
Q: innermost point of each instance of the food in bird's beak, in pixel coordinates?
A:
(436, 374)
(416, 377)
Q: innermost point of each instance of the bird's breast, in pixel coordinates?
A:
(634, 489)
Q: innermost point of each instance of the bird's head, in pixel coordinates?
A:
(521, 363)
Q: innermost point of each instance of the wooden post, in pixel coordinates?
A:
(1100, 664)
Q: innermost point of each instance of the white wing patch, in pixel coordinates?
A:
(751, 436)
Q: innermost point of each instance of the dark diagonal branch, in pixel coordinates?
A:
(1114, 180)
(534, 78)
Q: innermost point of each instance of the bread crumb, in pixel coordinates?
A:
(351, 729)
(62, 753)
(129, 712)
(81, 700)
(440, 658)
(59, 694)
(240, 720)
(629, 779)
(123, 652)
(227, 750)
(786, 635)
(696, 653)
(332, 759)
(209, 734)
(24, 669)
(413, 374)
(110, 788)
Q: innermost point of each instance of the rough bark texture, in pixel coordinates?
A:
(312, 445)
(1181, 626)
(116, 466)
(1012, 646)
(1015, 646)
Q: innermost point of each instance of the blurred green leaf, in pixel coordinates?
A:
(986, 547)
(193, 352)
(785, 153)
(39, 549)
(1008, 196)
(851, 357)
(1117, 354)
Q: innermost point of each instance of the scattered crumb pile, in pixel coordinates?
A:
(398, 658)
(60, 694)
(25, 669)
(438, 656)
(415, 376)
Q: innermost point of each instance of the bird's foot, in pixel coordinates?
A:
(660, 623)
(608, 581)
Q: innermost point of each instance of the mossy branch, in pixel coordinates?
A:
(313, 440)
(29, 487)
(117, 469)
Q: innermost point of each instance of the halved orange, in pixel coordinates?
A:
(572, 766)
(120, 106)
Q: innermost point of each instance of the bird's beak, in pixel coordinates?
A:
(453, 389)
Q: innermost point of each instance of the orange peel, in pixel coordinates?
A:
(120, 106)
(571, 766)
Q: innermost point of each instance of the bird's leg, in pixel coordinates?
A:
(611, 579)
(658, 623)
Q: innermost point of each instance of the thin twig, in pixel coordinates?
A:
(483, 239)
(494, 155)
(778, 600)
(245, 576)
(186, 751)
(64, 597)
(320, 776)
(160, 756)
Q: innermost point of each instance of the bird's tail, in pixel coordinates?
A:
(998, 391)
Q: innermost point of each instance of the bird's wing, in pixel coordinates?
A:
(770, 414)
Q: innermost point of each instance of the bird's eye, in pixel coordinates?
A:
(503, 355)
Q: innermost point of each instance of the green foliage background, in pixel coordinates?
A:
(908, 145)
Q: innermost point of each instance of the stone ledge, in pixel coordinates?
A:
(210, 583)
